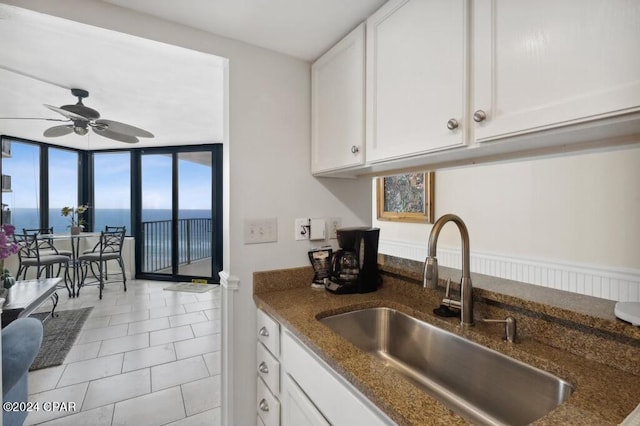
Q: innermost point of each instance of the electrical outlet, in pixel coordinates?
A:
(334, 224)
(258, 231)
(318, 230)
(301, 229)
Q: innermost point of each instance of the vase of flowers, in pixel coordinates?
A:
(73, 213)
(7, 248)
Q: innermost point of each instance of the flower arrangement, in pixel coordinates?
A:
(74, 215)
(7, 248)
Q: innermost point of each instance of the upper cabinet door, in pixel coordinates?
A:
(544, 64)
(337, 105)
(416, 85)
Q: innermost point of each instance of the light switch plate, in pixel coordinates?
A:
(257, 231)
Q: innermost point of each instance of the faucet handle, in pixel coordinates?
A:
(446, 292)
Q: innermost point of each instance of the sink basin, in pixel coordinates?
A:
(482, 385)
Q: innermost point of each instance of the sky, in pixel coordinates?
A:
(112, 180)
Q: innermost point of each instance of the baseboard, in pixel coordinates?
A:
(599, 281)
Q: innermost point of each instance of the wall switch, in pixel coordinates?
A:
(318, 229)
(334, 224)
(301, 229)
(258, 231)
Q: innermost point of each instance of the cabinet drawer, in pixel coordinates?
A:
(267, 405)
(268, 368)
(268, 333)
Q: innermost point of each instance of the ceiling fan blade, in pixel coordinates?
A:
(56, 131)
(70, 115)
(126, 129)
(107, 133)
(82, 111)
(34, 118)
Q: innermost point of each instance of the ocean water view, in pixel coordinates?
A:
(194, 231)
(29, 218)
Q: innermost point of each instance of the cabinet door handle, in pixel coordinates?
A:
(479, 116)
(354, 149)
(452, 124)
(263, 405)
(263, 368)
(263, 332)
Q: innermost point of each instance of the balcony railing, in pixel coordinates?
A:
(194, 242)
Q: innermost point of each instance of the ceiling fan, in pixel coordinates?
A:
(82, 118)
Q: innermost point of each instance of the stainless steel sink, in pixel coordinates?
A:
(482, 385)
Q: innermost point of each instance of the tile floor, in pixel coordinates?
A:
(144, 357)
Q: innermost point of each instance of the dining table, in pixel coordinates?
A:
(76, 252)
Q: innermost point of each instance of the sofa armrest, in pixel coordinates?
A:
(21, 342)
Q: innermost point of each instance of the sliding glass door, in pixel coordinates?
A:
(179, 219)
(194, 214)
(156, 226)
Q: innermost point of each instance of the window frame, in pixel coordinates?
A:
(86, 190)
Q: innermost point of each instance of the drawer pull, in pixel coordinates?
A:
(263, 332)
(263, 368)
(264, 406)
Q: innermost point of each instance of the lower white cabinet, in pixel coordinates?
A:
(296, 388)
(297, 408)
(326, 393)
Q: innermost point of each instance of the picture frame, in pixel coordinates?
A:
(407, 197)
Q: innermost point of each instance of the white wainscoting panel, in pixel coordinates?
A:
(599, 281)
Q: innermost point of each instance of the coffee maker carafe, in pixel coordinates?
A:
(354, 267)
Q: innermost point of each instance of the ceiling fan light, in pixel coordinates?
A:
(80, 130)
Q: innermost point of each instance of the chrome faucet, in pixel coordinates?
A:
(430, 272)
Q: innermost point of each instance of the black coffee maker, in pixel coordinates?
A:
(354, 267)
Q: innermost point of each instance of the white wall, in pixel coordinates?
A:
(266, 164)
(580, 209)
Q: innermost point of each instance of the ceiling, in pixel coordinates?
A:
(127, 76)
(301, 28)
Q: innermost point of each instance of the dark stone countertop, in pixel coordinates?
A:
(573, 344)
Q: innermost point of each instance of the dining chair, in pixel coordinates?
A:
(96, 247)
(46, 231)
(42, 255)
(107, 228)
(108, 248)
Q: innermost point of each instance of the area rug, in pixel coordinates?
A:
(59, 335)
(189, 287)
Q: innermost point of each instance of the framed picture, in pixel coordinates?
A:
(406, 197)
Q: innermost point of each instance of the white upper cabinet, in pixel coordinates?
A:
(456, 81)
(545, 64)
(416, 83)
(337, 96)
